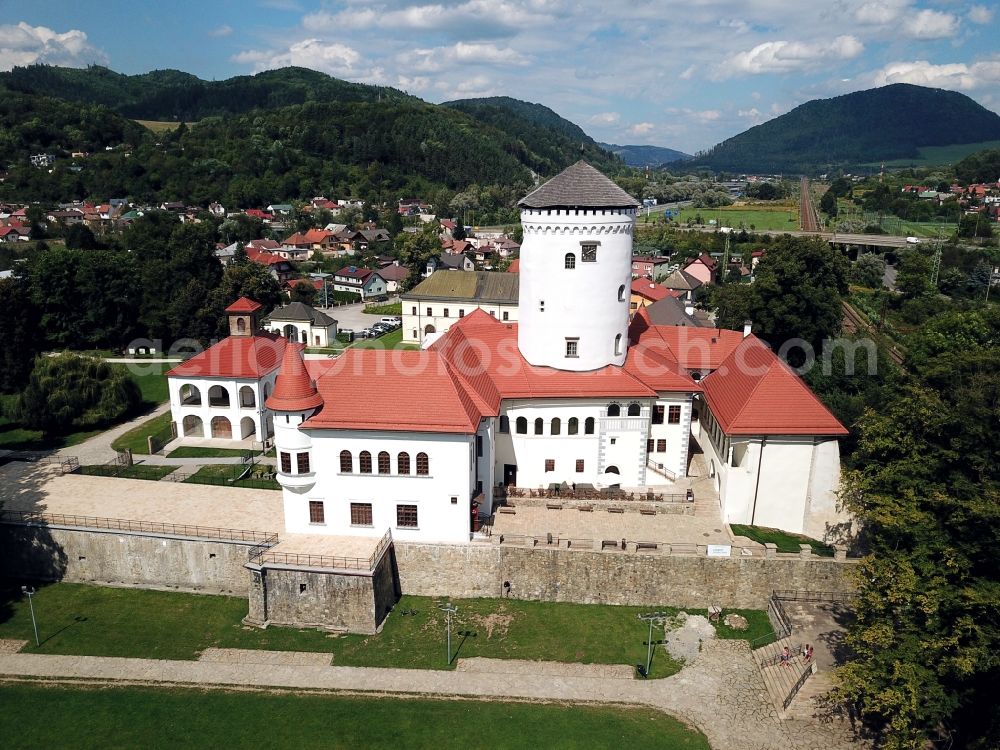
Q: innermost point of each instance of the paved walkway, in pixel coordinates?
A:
(719, 693)
(98, 450)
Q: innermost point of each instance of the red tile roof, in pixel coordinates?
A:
(415, 391)
(754, 393)
(650, 290)
(706, 260)
(242, 357)
(515, 266)
(243, 305)
(264, 258)
(691, 348)
(294, 390)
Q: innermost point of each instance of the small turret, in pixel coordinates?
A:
(243, 317)
(294, 399)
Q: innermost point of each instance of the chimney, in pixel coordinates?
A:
(689, 310)
(747, 328)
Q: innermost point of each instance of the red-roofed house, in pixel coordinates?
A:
(361, 281)
(703, 268)
(220, 392)
(646, 292)
(279, 267)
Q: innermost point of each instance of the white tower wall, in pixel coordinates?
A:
(587, 303)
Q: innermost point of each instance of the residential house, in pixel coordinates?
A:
(395, 277)
(646, 292)
(448, 262)
(364, 282)
(279, 267)
(300, 322)
(703, 268)
(685, 284)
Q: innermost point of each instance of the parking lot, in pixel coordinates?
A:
(353, 317)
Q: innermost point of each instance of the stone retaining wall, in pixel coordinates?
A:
(611, 577)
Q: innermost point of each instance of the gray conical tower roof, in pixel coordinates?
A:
(578, 186)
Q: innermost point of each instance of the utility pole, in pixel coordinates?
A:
(936, 263)
(448, 609)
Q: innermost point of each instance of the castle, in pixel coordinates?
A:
(423, 443)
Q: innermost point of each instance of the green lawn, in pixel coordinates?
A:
(83, 619)
(135, 439)
(151, 380)
(786, 542)
(139, 471)
(760, 217)
(392, 340)
(393, 308)
(220, 474)
(131, 717)
(190, 451)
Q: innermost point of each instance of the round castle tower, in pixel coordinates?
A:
(575, 271)
(293, 401)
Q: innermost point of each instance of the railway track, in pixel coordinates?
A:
(855, 322)
(808, 219)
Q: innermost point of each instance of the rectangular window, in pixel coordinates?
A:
(649, 445)
(588, 252)
(461, 313)
(541, 305)
(504, 424)
(579, 465)
(493, 313)
(661, 446)
(286, 463)
(572, 347)
(446, 312)
(429, 313)
(316, 514)
(550, 464)
(303, 463)
(414, 310)
(658, 414)
(406, 516)
(674, 415)
(361, 514)
(506, 315)
(479, 445)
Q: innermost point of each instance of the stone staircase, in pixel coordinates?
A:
(804, 705)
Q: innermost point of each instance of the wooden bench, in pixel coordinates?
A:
(648, 511)
(506, 511)
(553, 506)
(615, 509)
(646, 546)
(609, 544)
(585, 508)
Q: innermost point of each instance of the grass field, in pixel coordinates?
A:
(139, 471)
(392, 340)
(774, 218)
(161, 126)
(91, 620)
(131, 717)
(220, 474)
(390, 308)
(135, 439)
(938, 155)
(190, 451)
(786, 542)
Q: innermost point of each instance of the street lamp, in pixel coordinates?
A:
(651, 617)
(30, 591)
(448, 609)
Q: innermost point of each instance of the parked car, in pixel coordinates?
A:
(394, 322)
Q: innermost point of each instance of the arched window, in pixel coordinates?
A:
(383, 463)
(621, 293)
(570, 260)
(573, 426)
(346, 462)
(504, 423)
(241, 325)
(618, 344)
(634, 410)
(539, 425)
(423, 465)
(614, 410)
(522, 426)
(556, 426)
(403, 463)
(190, 395)
(365, 462)
(588, 426)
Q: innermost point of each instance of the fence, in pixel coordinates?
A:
(261, 555)
(249, 482)
(161, 437)
(66, 464)
(136, 527)
(589, 493)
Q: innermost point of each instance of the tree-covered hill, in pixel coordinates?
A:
(645, 156)
(177, 96)
(547, 138)
(891, 122)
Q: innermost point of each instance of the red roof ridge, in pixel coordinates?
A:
(244, 305)
(294, 390)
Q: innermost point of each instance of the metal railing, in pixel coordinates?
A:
(261, 555)
(608, 494)
(33, 518)
(66, 464)
(661, 468)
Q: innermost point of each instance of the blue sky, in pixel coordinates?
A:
(679, 74)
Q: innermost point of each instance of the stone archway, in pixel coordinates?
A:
(222, 428)
(247, 428)
(192, 426)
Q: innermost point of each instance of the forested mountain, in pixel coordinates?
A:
(645, 156)
(891, 122)
(546, 136)
(177, 96)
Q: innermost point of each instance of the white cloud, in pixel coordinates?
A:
(947, 76)
(880, 13)
(787, 57)
(689, 72)
(980, 14)
(224, 30)
(930, 24)
(329, 57)
(752, 114)
(23, 45)
(604, 118)
(641, 128)
(459, 55)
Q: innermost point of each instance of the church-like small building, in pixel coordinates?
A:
(299, 322)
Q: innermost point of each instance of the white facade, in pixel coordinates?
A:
(784, 482)
(422, 316)
(304, 332)
(575, 277)
(440, 500)
(221, 408)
